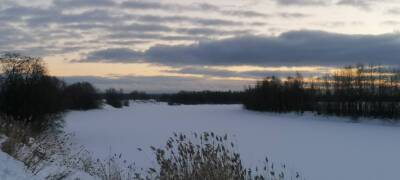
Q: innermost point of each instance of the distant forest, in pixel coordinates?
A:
(353, 91)
(357, 91)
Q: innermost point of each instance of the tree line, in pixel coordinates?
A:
(357, 91)
(202, 97)
(30, 96)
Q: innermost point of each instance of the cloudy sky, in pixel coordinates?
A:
(166, 45)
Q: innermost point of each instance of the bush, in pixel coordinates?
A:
(82, 96)
(114, 98)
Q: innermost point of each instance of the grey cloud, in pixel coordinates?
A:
(40, 17)
(161, 84)
(243, 74)
(85, 26)
(114, 54)
(390, 23)
(83, 3)
(210, 31)
(205, 72)
(192, 20)
(393, 11)
(214, 22)
(11, 36)
(19, 12)
(145, 5)
(293, 15)
(290, 48)
(363, 4)
(140, 5)
(139, 27)
(302, 2)
(108, 25)
(262, 74)
(126, 42)
(90, 16)
(245, 13)
(149, 36)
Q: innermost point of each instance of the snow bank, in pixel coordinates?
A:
(11, 169)
(319, 147)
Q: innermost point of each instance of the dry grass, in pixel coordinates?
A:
(208, 156)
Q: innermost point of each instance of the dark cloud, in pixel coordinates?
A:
(302, 2)
(90, 16)
(262, 74)
(211, 31)
(187, 19)
(143, 5)
(391, 23)
(363, 4)
(246, 14)
(11, 36)
(114, 54)
(215, 22)
(16, 13)
(126, 42)
(292, 15)
(161, 84)
(140, 27)
(102, 21)
(212, 72)
(205, 71)
(150, 36)
(393, 11)
(290, 49)
(201, 7)
(83, 3)
(35, 17)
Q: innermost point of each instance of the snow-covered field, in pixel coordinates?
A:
(320, 148)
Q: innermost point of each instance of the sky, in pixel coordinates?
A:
(167, 46)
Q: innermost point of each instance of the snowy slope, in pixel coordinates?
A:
(11, 169)
(318, 147)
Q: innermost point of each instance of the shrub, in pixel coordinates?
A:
(82, 96)
(114, 98)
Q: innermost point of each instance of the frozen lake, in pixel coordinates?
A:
(318, 147)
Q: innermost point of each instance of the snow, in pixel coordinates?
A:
(328, 148)
(11, 169)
